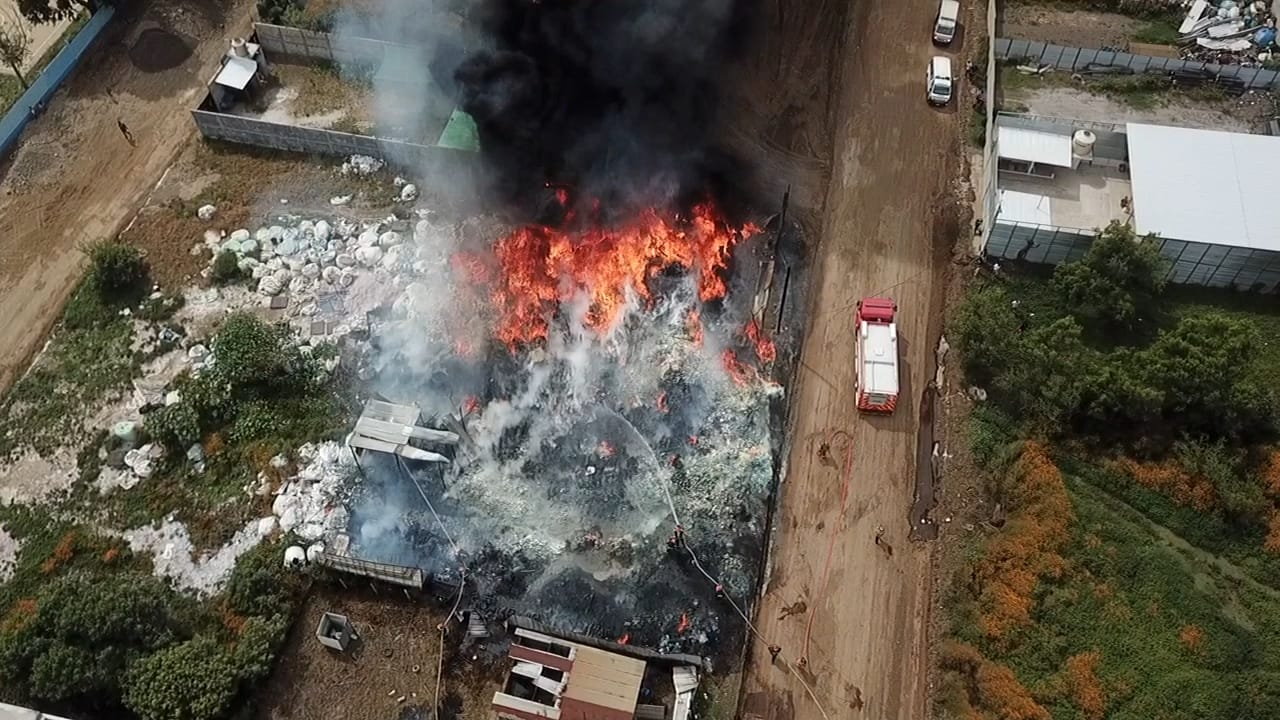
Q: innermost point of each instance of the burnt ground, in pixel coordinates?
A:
(836, 96)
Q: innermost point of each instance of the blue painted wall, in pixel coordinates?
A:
(55, 73)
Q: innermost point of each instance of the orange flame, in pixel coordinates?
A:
(470, 404)
(662, 402)
(740, 373)
(605, 449)
(765, 349)
(541, 267)
(626, 638)
(684, 624)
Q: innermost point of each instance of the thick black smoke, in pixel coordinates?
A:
(616, 99)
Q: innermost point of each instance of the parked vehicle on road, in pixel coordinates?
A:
(877, 355)
(939, 82)
(947, 22)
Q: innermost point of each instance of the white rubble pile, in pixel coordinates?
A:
(361, 165)
(9, 547)
(309, 503)
(142, 462)
(316, 265)
(174, 557)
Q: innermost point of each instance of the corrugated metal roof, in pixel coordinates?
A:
(604, 679)
(1205, 185)
(1034, 146)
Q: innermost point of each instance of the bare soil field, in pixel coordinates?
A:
(1075, 28)
(851, 618)
(388, 673)
(1243, 114)
(75, 179)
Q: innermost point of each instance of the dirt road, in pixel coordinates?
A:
(860, 617)
(75, 179)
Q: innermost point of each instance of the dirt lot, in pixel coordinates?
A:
(857, 613)
(75, 179)
(1075, 28)
(395, 657)
(1243, 114)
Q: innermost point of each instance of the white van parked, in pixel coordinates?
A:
(939, 81)
(944, 28)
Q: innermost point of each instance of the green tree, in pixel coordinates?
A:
(62, 672)
(1116, 281)
(259, 642)
(986, 329)
(100, 622)
(1044, 380)
(194, 680)
(1196, 368)
(1115, 395)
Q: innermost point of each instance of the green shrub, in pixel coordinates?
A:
(226, 268)
(260, 586)
(176, 426)
(120, 271)
(194, 680)
(1117, 280)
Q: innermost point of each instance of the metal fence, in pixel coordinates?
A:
(341, 49)
(1073, 58)
(1190, 263)
(294, 138)
(48, 81)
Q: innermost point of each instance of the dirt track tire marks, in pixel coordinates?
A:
(886, 213)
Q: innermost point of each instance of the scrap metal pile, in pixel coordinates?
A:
(1229, 32)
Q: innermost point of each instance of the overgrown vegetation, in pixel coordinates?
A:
(87, 629)
(88, 359)
(1129, 571)
(261, 397)
(1139, 91)
(1092, 357)
(294, 13)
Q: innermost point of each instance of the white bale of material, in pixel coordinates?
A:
(409, 192)
(240, 235)
(389, 238)
(248, 245)
(347, 277)
(323, 231)
(344, 260)
(330, 274)
(295, 557)
(311, 271)
(270, 285)
(369, 256)
(206, 212)
(368, 238)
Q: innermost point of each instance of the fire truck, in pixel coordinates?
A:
(877, 355)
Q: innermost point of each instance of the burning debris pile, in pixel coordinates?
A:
(604, 360)
(615, 391)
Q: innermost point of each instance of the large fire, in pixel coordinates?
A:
(540, 267)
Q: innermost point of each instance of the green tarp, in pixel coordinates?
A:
(460, 133)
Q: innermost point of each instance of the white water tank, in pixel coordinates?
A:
(239, 48)
(1082, 144)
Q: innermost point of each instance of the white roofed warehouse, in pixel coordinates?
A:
(1203, 194)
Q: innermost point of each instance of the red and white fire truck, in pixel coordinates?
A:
(877, 355)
